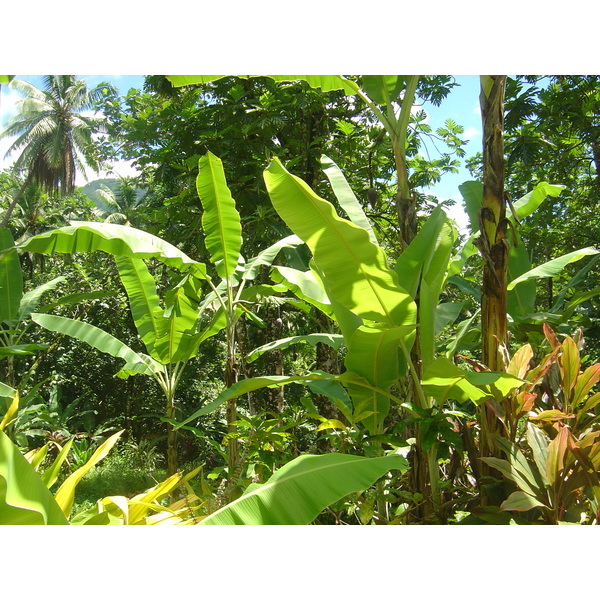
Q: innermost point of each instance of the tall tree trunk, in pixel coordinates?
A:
(15, 201)
(326, 360)
(274, 397)
(172, 462)
(494, 248)
(231, 377)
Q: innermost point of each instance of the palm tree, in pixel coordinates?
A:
(54, 137)
(121, 206)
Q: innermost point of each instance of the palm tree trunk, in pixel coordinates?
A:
(13, 204)
(494, 248)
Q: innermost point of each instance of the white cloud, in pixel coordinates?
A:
(458, 214)
(471, 132)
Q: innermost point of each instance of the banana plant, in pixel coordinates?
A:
(372, 304)
(173, 330)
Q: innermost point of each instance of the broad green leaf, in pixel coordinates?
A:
(383, 89)
(521, 465)
(267, 256)
(326, 82)
(76, 299)
(472, 193)
(355, 269)
(11, 278)
(24, 499)
(529, 202)
(96, 338)
(348, 201)
(178, 340)
(66, 492)
(427, 255)
(22, 349)
(331, 339)
(335, 392)
(330, 424)
(446, 313)
(510, 473)
(220, 220)
(118, 240)
(520, 501)
(373, 354)
(575, 282)
(30, 300)
(521, 299)
(301, 489)
(249, 385)
(305, 285)
(143, 300)
(443, 380)
(456, 264)
(553, 267)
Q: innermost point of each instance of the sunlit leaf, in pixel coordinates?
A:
(301, 489)
(24, 499)
(220, 219)
(355, 269)
(553, 267)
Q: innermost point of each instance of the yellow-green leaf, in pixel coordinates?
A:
(66, 492)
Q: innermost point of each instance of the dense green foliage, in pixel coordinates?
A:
(268, 241)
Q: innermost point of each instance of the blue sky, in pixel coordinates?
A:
(462, 105)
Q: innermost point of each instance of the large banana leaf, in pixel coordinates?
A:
(178, 340)
(220, 220)
(119, 240)
(305, 285)
(527, 204)
(300, 490)
(11, 278)
(373, 353)
(331, 339)
(30, 301)
(383, 89)
(443, 380)
(267, 256)
(98, 339)
(24, 499)
(553, 267)
(348, 201)
(355, 269)
(520, 299)
(326, 82)
(423, 266)
(255, 383)
(143, 300)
